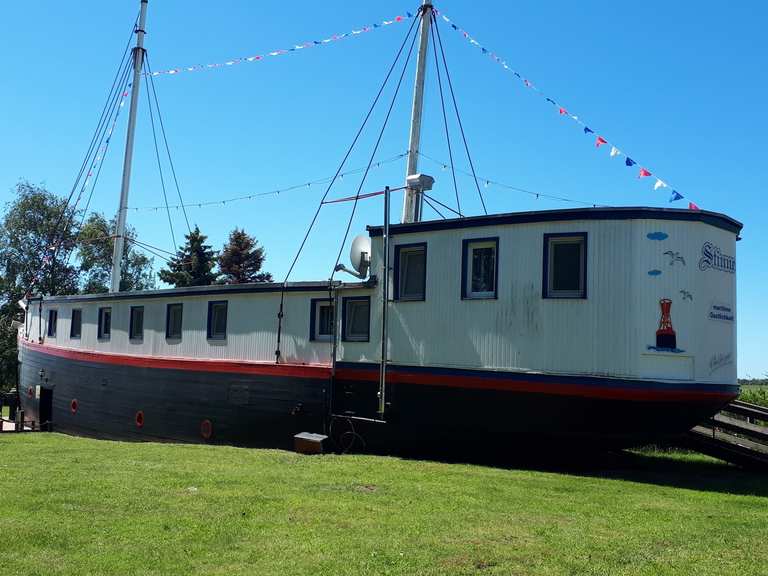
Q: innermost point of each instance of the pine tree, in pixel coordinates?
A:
(193, 264)
(242, 258)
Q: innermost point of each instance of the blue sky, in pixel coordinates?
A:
(679, 86)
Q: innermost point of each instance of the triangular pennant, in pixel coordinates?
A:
(588, 130)
(643, 173)
(659, 184)
(615, 151)
(548, 99)
(629, 161)
(600, 141)
(675, 196)
(692, 206)
(563, 111)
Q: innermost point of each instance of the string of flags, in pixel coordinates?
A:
(283, 51)
(600, 141)
(275, 192)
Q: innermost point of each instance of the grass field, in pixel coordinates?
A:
(754, 394)
(80, 506)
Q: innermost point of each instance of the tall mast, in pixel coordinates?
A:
(138, 63)
(413, 199)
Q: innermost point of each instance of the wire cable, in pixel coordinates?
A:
(458, 116)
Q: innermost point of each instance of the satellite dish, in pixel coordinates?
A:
(360, 254)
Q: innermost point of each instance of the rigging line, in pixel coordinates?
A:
(160, 166)
(333, 180)
(458, 116)
(445, 119)
(148, 249)
(153, 247)
(443, 205)
(433, 208)
(277, 191)
(375, 149)
(516, 188)
(165, 140)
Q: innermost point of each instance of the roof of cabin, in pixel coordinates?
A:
(216, 289)
(624, 213)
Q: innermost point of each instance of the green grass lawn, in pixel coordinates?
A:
(79, 506)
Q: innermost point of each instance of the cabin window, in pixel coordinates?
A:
(565, 265)
(217, 320)
(53, 316)
(410, 271)
(356, 319)
(136, 327)
(76, 326)
(105, 323)
(321, 319)
(480, 272)
(173, 316)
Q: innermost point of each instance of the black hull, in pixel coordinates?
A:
(427, 412)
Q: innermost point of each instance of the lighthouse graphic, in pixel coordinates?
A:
(665, 335)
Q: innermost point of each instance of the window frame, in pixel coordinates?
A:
(72, 335)
(314, 306)
(466, 272)
(550, 293)
(209, 329)
(399, 248)
(100, 333)
(131, 336)
(345, 301)
(168, 335)
(51, 325)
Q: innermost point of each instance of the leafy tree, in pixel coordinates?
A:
(242, 258)
(193, 264)
(95, 247)
(37, 234)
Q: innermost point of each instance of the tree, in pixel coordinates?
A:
(193, 264)
(37, 234)
(95, 247)
(242, 258)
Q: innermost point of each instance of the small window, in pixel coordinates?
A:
(410, 271)
(321, 319)
(76, 326)
(356, 319)
(565, 265)
(136, 328)
(217, 320)
(105, 323)
(480, 273)
(53, 316)
(173, 317)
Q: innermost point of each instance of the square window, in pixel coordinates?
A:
(565, 265)
(356, 320)
(217, 320)
(410, 271)
(105, 323)
(136, 329)
(76, 326)
(321, 319)
(53, 316)
(173, 318)
(480, 268)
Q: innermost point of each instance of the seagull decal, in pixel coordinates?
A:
(674, 257)
(686, 295)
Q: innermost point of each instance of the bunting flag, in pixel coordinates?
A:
(692, 206)
(282, 51)
(558, 106)
(675, 196)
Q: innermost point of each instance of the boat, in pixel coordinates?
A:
(593, 327)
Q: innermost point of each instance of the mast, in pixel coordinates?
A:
(138, 63)
(413, 199)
